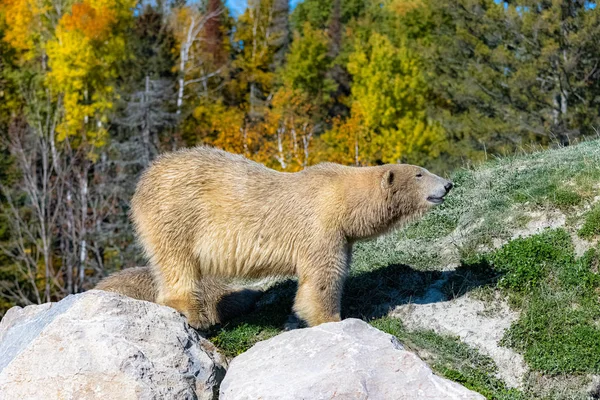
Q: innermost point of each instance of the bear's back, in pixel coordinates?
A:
(228, 212)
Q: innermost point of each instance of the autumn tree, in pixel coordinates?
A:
(82, 58)
(216, 44)
(193, 66)
(299, 106)
(260, 40)
(65, 58)
(207, 90)
(390, 96)
(254, 64)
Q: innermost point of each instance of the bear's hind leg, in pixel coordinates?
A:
(178, 287)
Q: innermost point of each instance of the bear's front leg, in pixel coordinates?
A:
(320, 286)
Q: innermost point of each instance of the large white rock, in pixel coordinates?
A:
(99, 345)
(342, 360)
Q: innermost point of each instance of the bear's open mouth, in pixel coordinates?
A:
(435, 200)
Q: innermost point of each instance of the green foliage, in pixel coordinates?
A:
(495, 66)
(591, 225)
(315, 12)
(390, 95)
(583, 275)
(557, 333)
(237, 340)
(308, 63)
(318, 13)
(150, 44)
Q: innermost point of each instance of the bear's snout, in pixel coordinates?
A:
(440, 189)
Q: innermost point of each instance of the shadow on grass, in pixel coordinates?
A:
(375, 293)
(367, 295)
(468, 276)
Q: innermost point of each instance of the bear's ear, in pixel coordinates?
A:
(388, 179)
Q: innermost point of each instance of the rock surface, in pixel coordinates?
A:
(343, 360)
(104, 345)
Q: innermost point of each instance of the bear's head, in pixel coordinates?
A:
(412, 189)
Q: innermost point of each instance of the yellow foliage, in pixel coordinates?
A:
(346, 141)
(77, 51)
(25, 24)
(390, 96)
(281, 140)
(82, 58)
(180, 22)
(289, 129)
(403, 7)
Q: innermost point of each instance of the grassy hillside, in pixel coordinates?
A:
(520, 230)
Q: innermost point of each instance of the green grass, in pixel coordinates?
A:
(558, 331)
(237, 336)
(565, 199)
(559, 327)
(368, 295)
(591, 225)
(525, 262)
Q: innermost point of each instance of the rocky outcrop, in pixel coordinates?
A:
(104, 345)
(343, 360)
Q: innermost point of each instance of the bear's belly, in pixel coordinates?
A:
(244, 255)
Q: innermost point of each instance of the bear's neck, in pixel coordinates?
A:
(368, 210)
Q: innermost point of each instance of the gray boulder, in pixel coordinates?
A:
(342, 360)
(100, 345)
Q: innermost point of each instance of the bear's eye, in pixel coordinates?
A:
(419, 175)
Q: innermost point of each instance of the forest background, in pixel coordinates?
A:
(91, 91)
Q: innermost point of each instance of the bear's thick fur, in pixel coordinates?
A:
(203, 213)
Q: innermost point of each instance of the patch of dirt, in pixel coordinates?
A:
(540, 220)
(582, 245)
(576, 387)
(467, 318)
